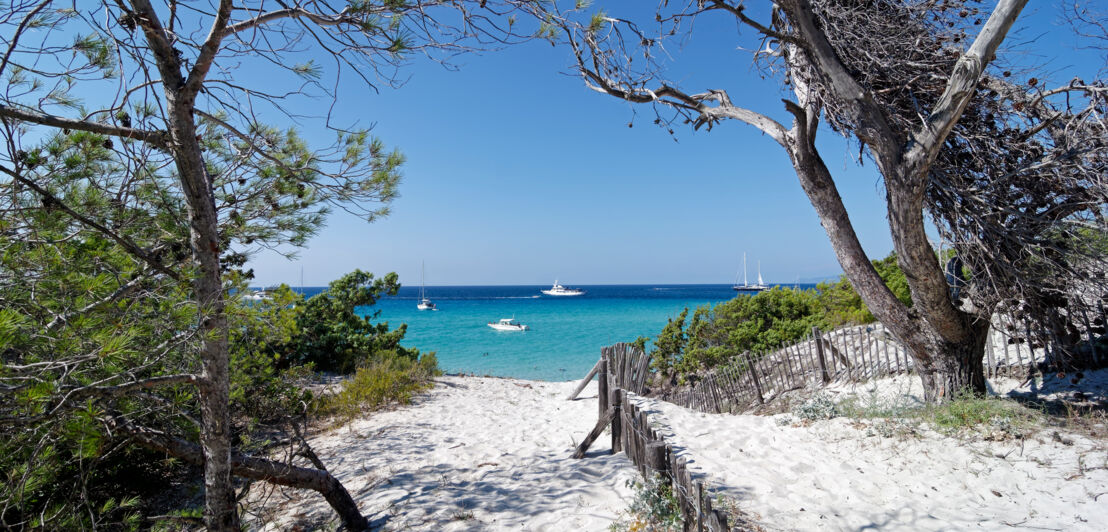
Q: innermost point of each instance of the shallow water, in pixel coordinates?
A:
(566, 332)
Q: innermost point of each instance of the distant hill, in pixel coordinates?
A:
(817, 280)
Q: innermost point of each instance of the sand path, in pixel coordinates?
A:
(472, 454)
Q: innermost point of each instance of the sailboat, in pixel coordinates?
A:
(746, 286)
(424, 303)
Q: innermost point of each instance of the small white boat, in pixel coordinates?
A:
(508, 324)
(257, 295)
(559, 290)
(424, 303)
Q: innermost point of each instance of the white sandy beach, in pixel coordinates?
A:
(472, 454)
(493, 454)
(841, 474)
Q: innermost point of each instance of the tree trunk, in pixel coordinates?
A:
(956, 369)
(254, 468)
(948, 345)
(184, 144)
(215, 381)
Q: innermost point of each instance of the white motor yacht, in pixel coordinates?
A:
(508, 324)
(257, 295)
(559, 290)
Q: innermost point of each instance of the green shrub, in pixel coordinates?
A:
(389, 378)
(333, 337)
(654, 508)
(841, 305)
(716, 335)
(820, 406)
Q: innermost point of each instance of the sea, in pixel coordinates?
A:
(566, 332)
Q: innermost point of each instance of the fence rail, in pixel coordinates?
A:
(623, 369)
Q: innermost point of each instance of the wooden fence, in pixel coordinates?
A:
(623, 369)
(847, 354)
(854, 354)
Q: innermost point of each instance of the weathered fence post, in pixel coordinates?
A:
(754, 375)
(700, 507)
(656, 463)
(819, 353)
(617, 420)
(602, 385)
(585, 381)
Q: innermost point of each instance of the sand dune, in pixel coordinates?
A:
(842, 474)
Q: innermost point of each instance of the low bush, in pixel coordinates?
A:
(716, 335)
(820, 406)
(389, 378)
(979, 413)
(654, 508)
(990, 417)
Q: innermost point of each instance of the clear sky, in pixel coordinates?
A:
(518, 174)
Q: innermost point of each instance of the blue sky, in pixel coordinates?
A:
(518, 174)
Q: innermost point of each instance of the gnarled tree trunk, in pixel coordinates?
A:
(955, 368)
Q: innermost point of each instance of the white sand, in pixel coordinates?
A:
(472, 454)
(493, 454)
(840, 474)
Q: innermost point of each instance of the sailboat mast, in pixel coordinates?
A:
(745, 283)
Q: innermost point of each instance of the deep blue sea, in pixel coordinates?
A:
(566, 332)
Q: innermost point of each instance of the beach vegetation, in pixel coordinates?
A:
(333, 336)
(717, 334)
(461, 515)
(669, 344)
(135, 131)
(389, 378)
(968, 415)
(998, 418)
(99, 341)
(653, 508)
(819, 406)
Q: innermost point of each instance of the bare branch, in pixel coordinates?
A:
(156, 138)
(960, 87)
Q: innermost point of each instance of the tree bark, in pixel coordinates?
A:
(254, 468)
(955, 368)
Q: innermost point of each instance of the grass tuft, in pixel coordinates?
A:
(386, 380)
(981, 414)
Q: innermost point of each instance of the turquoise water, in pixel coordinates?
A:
(566, 332)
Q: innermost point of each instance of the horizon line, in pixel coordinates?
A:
(770, 283)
